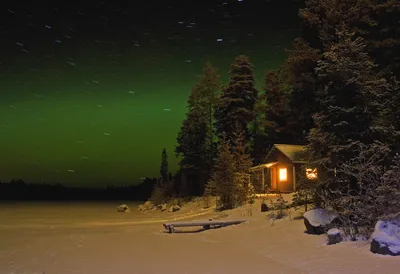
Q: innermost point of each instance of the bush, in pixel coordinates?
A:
(373, 195)
(306, 191)
(159, 195)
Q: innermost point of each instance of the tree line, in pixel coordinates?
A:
(336, 91)
(23, 191)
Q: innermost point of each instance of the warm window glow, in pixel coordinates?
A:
(311, 173)
(282, 174)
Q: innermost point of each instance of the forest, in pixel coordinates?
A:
(337, 93)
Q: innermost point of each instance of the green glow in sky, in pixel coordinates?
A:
(104, 120)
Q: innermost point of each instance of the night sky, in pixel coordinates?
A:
(91, 93)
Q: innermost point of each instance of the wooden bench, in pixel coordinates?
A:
(205, 224)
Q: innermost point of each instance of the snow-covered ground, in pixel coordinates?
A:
(94, 238)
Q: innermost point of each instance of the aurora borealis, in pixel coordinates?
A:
(91, 93)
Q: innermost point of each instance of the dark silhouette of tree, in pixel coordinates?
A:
(237, 100)
(224, 176)
(277, 111)
(209, 86)
(355, 106)
(375, 21)
(242, 160)
(163, 189)
(301, 77)
(20, 190)
(196, 142)
(242, 163)
(164, 165)
(258, 131)
(184, 188)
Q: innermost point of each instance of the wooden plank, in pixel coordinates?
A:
(205, 224)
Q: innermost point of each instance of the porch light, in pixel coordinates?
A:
(282, 174)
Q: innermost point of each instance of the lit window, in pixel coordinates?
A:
(282, 174)
(311, 173)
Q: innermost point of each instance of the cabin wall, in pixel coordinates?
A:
(282, 186)
(283, 162)
(271, 174)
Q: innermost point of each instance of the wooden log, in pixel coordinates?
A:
(205, 224)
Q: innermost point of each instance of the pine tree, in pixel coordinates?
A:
(210, 191)
(238, 98)
(375, 21)
(258, 143)
(184, 187)
(196, 140)
(162, 190)
(353, 102)
(164, 165)
(242, 164)
(209, 87)
(300, 75)
(277, 111)
(224, 176)
(306, 190)
(241, 158)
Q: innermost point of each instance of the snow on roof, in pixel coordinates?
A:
(295, 153)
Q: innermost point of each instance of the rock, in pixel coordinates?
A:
(123, 208)
(146, 206)
(264, 207)
(318, 221)
(149, 205)
(162, 207)
(334, 236)
(174, 208)
(386, 238)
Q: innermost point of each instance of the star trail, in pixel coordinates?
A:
(92, 92)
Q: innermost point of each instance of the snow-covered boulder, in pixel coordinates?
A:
(334, 236)
(386, 238)
(318, 221)
(174, 208)
(123, 208)
(146, 206)
(162, 207)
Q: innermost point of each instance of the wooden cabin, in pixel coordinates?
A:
(282, 165)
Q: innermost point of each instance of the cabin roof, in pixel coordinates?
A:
(295, 153)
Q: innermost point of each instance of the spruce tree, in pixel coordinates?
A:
(224, 176)
(209, 87)
(258, 143)
(242, 159)
(277, 111)
(375, 21)
(184, 187)
(353, 103)
(242, 164)
(301, 77)
(196, 142)
(238, 98)
(163, 188)
(164, 165)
